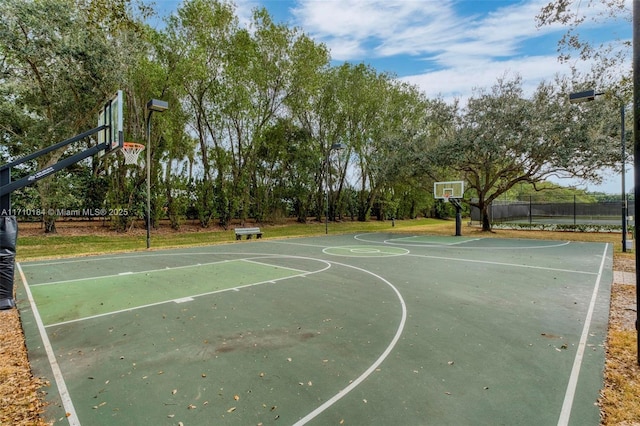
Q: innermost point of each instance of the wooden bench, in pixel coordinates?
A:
(248, 232)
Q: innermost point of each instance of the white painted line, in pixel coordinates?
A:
(70, 410)
(304, 275)
(149, 271)
(315, 413)
(271, 265)
(360, 237)
(512, 265)
(183, 300)
(569, 395)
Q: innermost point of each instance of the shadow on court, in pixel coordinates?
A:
(356, 329)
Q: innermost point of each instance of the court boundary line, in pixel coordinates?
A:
(513, 265)
(353, 384)
(94, 257)
(67, 403)
(236, 288)
(149, 271)
(254, 260)
(392, 241)
(120, 274)
(569, 395)
(359, 237)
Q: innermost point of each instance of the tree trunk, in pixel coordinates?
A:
(486, 220)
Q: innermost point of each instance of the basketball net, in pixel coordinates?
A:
(446, 198)
(131, 151)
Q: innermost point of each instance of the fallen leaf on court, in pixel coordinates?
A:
(450, 362)
(203, 375)
(171, 415)
(447, 393)
(364, 400)
(175, 391)
(274, 407)
(205, 403)
(191, 407)
(180, 424)
(486, 387)
(231, 410)
(341, 421)
(310, 384)
(261, 374)
(236, 397)
(289, 359)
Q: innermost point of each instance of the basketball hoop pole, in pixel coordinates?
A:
(451, 192)
(458, 207)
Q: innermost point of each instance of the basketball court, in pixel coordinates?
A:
(351, 329)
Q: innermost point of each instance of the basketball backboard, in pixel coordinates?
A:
(446, 190)
(112, 116)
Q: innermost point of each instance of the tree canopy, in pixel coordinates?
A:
(255, 114)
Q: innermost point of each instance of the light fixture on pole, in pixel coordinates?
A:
(154, 105)
(590, 95)
(337, 147)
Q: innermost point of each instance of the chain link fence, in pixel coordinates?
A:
(567, 210)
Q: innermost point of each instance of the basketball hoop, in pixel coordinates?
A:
(131, 151)
(446, 197)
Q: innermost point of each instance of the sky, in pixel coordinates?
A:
(447, 48)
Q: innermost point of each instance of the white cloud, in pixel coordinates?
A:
(460, 51)
(377, 28)
(459, 82)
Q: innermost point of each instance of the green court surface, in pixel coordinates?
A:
(366, 329)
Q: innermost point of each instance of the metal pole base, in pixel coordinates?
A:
(7, 304)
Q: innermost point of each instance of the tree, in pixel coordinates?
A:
(610, 60)
(503, 139)
(59, 64)
(195, 50)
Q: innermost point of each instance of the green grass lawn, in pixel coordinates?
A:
(61, 245)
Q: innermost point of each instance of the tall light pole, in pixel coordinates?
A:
(636, 151)
(337, 147)
(154, 105)
(590, 95)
